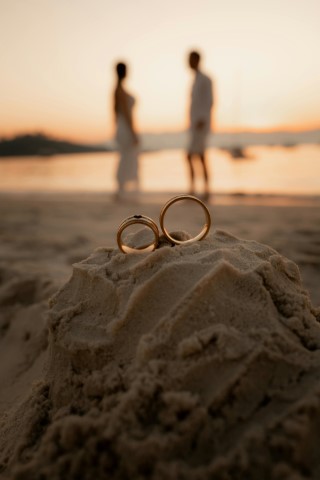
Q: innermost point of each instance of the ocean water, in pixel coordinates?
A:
(266, 171)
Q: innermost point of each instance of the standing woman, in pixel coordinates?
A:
(126, 135)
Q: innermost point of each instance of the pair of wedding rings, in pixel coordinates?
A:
(148, 222)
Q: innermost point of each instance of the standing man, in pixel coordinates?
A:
(200, 121)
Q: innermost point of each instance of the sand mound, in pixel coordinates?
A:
(191, 362)
(23, 331)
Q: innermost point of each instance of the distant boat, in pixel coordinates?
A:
(237, 153)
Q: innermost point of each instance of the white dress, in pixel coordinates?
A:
(200, 110)
(128, 163)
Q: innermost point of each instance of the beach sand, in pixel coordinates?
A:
(198, 361)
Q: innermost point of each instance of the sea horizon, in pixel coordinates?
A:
(178, 139)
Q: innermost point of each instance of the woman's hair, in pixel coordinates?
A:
(121, 69)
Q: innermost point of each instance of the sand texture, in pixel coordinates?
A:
(192, 362)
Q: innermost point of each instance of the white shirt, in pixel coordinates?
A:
(201, 100)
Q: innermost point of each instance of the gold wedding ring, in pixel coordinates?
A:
(143, 220)
(203, 232)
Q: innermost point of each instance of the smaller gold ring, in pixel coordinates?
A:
(205, 229)
(143, 220)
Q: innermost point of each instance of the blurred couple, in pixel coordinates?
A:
(128, 140)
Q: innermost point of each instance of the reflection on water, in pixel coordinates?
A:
(267, 170)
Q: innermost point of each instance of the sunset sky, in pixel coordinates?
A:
(58, 56)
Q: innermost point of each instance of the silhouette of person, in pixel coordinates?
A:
(126, 136)
(200, 121)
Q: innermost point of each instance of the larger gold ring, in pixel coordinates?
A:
(205, 229)
(146, 221)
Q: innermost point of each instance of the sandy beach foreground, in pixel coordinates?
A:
(191, 362)
(43, 234)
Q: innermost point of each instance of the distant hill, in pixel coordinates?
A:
(42, 145)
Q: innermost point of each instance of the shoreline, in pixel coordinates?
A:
(218, 198)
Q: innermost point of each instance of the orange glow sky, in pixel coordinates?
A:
(57, 59)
